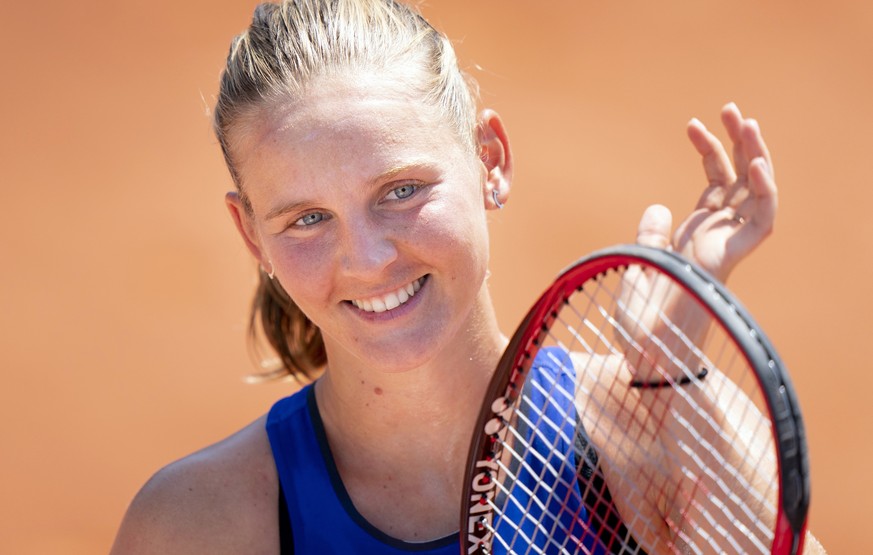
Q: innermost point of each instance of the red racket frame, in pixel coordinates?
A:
(781, 400)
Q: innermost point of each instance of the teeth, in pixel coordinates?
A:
(391, 300)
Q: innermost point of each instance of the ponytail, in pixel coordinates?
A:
(294, 338)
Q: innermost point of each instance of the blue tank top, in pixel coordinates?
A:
(315, 494)
(323, 518)
(551, 515)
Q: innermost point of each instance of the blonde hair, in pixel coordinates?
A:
(286, 47)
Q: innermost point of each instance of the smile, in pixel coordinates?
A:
(391, 300)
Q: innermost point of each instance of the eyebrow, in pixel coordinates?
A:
(387, 175)
(284, 209)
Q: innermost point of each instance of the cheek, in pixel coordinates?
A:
(304, 272)
(456, 227)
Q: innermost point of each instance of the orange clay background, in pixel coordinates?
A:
(125, 288)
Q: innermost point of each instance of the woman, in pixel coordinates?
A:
(363, 178)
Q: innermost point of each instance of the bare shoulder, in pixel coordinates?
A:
(222, 499)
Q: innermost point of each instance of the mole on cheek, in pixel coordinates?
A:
(377, 391)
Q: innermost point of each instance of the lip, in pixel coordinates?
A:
(396, 312)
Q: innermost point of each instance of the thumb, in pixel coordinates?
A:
(655, 227)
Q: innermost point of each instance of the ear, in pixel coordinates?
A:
(496, 156)
(243, 219)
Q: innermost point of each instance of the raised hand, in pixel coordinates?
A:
(736, 210)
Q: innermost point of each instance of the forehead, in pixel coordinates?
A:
(367, 113)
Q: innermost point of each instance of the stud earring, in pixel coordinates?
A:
(272, 273)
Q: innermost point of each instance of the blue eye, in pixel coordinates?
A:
(403, 192)
(310, 219)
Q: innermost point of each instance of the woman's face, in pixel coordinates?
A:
(372, 213)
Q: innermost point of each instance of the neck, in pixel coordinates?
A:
(432, 406)
(402, 436)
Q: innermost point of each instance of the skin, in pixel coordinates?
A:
(342, 162)
(345, 162)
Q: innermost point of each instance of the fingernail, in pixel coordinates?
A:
(697, 122)
(754, 126)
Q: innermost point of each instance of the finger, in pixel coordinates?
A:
(715, 159)
(753, 143)
(732, 120)
(753, 148)
(733, 123)
(716, 164)
(654, 228)
(758, 212)
(764, 195)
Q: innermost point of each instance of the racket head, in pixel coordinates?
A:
(502, 514)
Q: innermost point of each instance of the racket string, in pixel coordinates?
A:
(589, 330)
(553, 473)
(699, 353)
(616, 305)
(587, 322)
(538, 427)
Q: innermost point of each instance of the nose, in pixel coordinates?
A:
(368, 248)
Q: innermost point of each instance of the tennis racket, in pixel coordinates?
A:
(637, 409)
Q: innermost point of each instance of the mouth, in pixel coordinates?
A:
(392, 300)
